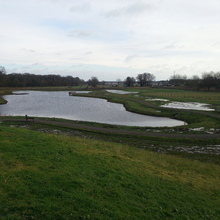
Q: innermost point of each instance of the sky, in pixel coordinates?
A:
(110, 39)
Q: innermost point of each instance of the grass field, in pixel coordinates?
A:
(47, 176)
(81, 174)
(186, 96)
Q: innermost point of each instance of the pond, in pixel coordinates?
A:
(61, 105)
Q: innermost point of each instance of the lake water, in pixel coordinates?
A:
(61, 105)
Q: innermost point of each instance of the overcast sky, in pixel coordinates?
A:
(110, 39)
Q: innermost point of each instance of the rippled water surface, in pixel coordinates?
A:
(61, 105)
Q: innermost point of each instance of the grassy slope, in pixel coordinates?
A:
(45, 176)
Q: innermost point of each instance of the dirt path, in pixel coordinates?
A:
(120, 131)
(75, 125)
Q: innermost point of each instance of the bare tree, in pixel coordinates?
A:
(93, 81)
(2, 76)
(178, 79)
(208, 80)
(129, 81)
(145, 79)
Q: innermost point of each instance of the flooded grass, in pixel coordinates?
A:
(189, 105)
(184, 96)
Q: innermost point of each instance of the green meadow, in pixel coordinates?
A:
(48, 176)
(79, 173)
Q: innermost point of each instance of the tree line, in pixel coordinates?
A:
(32, 80)
(207, 81)
(144, 79)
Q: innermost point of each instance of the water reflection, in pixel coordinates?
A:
(61, 105)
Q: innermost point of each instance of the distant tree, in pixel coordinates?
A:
(140, 79)
(118, 81)
(2, 76)
(129, 81)
(32, 80)
(2, 70)
(193, 82)
(145, 79)
(103, 83)
(93, 81)
(178, 79)
(148, 77)
(208, 80)
(217, 83)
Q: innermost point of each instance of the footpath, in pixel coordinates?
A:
(75, 125)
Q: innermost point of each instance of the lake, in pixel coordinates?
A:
(61, 105)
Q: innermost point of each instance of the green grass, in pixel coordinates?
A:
(184, 95)
(3, 92)
(46, 176)
(158, 144)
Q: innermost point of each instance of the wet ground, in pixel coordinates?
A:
(204, 149)
(208, 150)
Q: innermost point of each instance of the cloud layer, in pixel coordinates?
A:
(110, 39)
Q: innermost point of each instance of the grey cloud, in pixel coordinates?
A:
(139, 8)
(170, 46)
(130, 58)
(58, 53)
(80, 33)
(134, 9)
(35, 64)
(75, 59)
(81, 8)
(89, 53)
(28, 50)
(216, 44)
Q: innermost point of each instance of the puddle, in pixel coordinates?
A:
(209, 149)
(197, 129)
(189, 105)
(162, 100)
(215, 150)
(120, 91)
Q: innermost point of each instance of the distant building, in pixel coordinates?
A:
(114, 83)
(160, 83)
